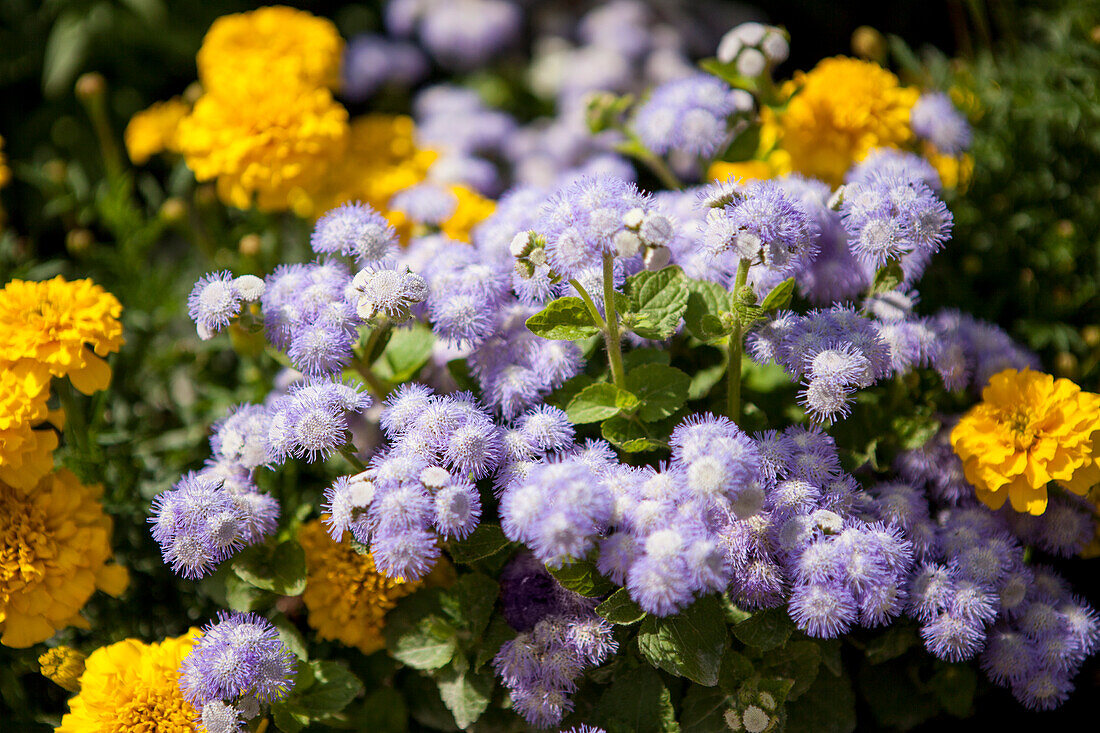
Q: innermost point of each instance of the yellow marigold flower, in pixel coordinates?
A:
(472, 209)
(25, 453)
(838, 112)
(1028, 430)
(271, 46)
(272, 147)
(346, 597)
(63, 666)
(133, 687)
(153, 130)
(749, 170)
(52, 323)
(955, 172)
(5, 172)
(56, 543)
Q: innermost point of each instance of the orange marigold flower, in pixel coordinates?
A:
(1030, 429)
(133, 687)
(53, 323)
(63, 666)
(346, 597)
(56, 543)
(25, 453)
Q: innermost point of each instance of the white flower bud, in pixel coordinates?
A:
(633, 218)
(627, 243)
(775, 47)
(521, 244)
(249, 287)
(751, 63)
(729, 47)
(657, 257)
(656, 230)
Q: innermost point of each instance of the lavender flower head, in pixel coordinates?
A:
(465, 34)
(241, 436)
(385, 292)
(425, 203)
(216, 300)
(937, 120)
(372, 62)
(312, 420)
(240, 656)
(355, 230)
(692, 115)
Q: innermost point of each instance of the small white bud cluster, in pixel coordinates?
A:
(529, 249)
(754, 48)
(386, 292)
(647, 232)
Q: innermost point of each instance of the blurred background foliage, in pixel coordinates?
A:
(1026, 250)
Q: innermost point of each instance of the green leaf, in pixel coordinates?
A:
(65, 50)
(830, 655)
(636, 702)
(662, 390)
(704, 710)
(598, 402)
(418, 633)
(469, 602)
(657, 300)
(735, 669)
(466, 694)
(281, 571)
(460, 372)
(891, 691)
(914, 431)
(829, 706)
(288, 718)
(386, 710)
(744, 146)
(779, 297)
(564, 319)
(485, 541)
(243, 597)
(620, 609)
(581, 576)
(705, 304)
(795, 660)
(954, 686)
(689, 644)
(406, 353)
(765, 630)
(888, 278)
(562, 396)
(637, 357)
(290, 636)
(494, 638)
(630, 435)
(334, 687)
(890, 644)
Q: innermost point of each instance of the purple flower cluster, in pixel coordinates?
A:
(307, 314)
(238, 664)
(834, 351)
(216, 300)
(207, 517)
(355, 230)
(387, 293)
(692, 115)
(541, 667)
(971, 351)
(937, 120)
(894, 218)
(372, 62)
(311, 421)
(421, 487)
(459, 34)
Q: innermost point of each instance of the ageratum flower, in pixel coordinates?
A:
(1030, 429)
(57, 542)
(691, 115)
(216, 300)
(133, 687)
(355, 230)
(936, 119)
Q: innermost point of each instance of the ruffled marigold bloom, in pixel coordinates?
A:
(836, 114)
(25, 453)
(472, 209)
(63, 666)
(270, 46)
(153, 130)
(346, 597)
(133, 687)
(52, 324)
(1030, 429)
(56, 543)
(748, 170)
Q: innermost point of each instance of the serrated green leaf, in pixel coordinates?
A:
(689, 644)
(704, 710)
(636, 702)
(469, 602)
(630, 435)
(888, 278)
(891, 691)
(637, 357)
(281, 571)
(779, 297)
(495, 636)
(581, 576)
(765, 630)
(735, 669)
(485, 541)
(890, 644)
(466, 694)
(333, 688)
(386, 710)
(418, 632)
(620, 609)
(562, 396)
(796, 660)
(242, 596)
(657, 300)
(662, 390)
(598, 402)
(914, 431)
(406, 353)
(705, 304)
(564, 319)
(292, 638)
(288, 718)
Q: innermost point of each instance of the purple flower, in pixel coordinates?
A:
(216, 300)
(936, 119)
(824, 610)
(355, 230)
(691, 115)
(347, 503)
(465, 34)
(241, 436)
(372, 61)
(312, 421)
(457, 510)
(892, 163)
(425, 203)
(953, 638)
(402, 407)
(409, 554)
(239, 655)
(197, 525)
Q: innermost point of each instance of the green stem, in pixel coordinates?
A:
(611, 335)
(74, 418)
(660, 168)
(363, 364)
(733, 368)
(349, 453)
(590, 305)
